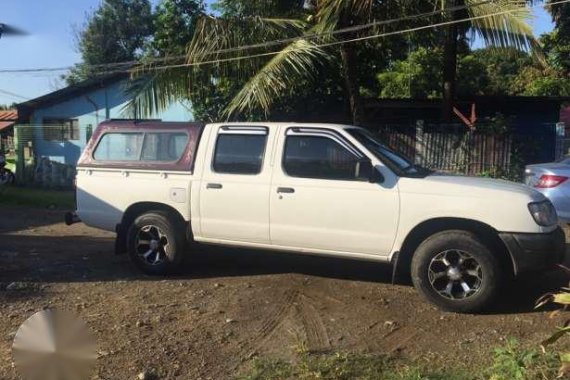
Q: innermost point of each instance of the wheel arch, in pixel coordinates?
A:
(137, 209)
(432, 226)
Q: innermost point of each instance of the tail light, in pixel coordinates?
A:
(548, 181)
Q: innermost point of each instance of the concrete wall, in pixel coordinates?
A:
(90, 109)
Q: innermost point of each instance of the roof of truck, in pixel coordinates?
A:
(153, 124)
(288, 124)
(149, 124)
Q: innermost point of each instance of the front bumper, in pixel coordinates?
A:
(533, 252)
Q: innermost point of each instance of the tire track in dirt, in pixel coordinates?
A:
(315, 330)
(269, 325)
(394, 340)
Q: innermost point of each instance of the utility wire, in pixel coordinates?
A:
(13, 95)
(364, 38)
(310, 36)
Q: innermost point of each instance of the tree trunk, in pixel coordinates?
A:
(449, 66)
(349, 72)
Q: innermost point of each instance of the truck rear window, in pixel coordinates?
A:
(119, 147)
(138, 146)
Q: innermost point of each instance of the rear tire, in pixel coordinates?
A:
(456, 271)
(156, 243)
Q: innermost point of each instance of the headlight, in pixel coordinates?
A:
(543, 213)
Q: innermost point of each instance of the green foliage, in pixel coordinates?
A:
(4, 107)
(269, 369)
(268, 80)
(174, 25)
(502, 68)
(559, 46)
(344, 366)
(512, 362)
(535, 82)
(116, 32)
(498, 124)
(420, 76)
(261, 8)
(513, 174)
(490, 72)
(23, 196)
(509, 362)
(562, 299)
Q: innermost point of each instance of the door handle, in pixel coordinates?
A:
(214, 186)
(285, 190)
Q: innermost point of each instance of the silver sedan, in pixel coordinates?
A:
(553, 180)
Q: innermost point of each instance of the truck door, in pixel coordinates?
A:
(234, 191)
(317, 201)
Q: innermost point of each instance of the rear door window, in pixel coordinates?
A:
(240, 153)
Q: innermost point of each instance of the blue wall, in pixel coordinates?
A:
(90, 109)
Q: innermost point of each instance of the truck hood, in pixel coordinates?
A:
(468, 187)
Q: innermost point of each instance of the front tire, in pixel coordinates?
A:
(155, 243)
(456, 271)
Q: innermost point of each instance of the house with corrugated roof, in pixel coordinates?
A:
(8, 119)
(62, 121)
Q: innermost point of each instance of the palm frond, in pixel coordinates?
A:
(333, 14)
(503, 23)
(154, 89)
(215, 36)
(294, 63)
(152, 92)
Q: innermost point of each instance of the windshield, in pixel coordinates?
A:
(395, 161)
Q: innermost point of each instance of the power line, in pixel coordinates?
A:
(306, 37)
(13, 95)
(409, 30)
(267, 44)
(352, 29)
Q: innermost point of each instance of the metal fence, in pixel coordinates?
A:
(46, 155)
(7, 144)
(455, 148)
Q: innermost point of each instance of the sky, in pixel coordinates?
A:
(51, 43)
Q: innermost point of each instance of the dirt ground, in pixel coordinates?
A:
(232, 305)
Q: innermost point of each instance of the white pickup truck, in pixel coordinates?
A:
(321, 189)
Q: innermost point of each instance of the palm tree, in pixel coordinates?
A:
(277, 67)
(500, 23)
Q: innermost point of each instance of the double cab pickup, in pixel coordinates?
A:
(322, 189)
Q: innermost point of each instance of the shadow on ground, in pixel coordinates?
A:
(61, 259)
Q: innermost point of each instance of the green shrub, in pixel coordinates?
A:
(512, 362)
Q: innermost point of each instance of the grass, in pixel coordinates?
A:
(510, 362)
(37, 198)
(11, 163)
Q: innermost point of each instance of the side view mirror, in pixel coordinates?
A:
(367, 172)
